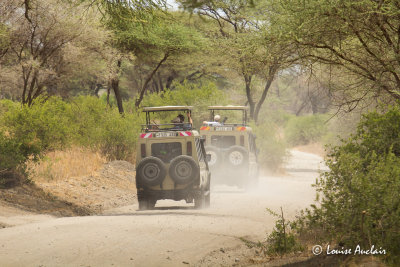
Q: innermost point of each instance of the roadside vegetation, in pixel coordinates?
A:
(28, 133)
(357, 200)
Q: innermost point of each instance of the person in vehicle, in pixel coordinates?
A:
(179, 122)
(216, 121)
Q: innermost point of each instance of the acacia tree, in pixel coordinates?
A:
(154, 40)
(141, 28)
(193, 63)
(48, 42)
(247, 43)
(358, 40)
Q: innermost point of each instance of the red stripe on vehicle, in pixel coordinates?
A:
(185, 133)
(146, 135)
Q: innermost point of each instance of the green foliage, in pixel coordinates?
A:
(353, 37)
(13, 153)
(155, 35)
(100, 127)
(6, 105)
(272, 149)
(43, 125)
(282, 239)
(4, 36)
(305, 129)
(28, 132)
(359, 195)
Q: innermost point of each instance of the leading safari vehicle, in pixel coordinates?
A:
(171, 160)
(231, 146)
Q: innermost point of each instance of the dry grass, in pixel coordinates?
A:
(72, 162)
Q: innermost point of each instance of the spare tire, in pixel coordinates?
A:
(216, 156)
(150, 171)
(183, 169)
(237, 156)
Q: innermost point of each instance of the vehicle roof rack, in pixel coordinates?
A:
(228, 107)
(167, 108)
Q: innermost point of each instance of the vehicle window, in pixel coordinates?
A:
(223, 141)
(166, 151)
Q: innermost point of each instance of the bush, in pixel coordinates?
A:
(105, 129)
(282, 239)
(6, 105)
(56, 124)
(305, 129)
(360, 202)
(272, 149)
(13, 155)
(44, 125)
(26, 132)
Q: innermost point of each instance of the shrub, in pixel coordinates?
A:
(272, 149)
(305, 129)
(282, 239)
(56, 124)
(359, 195)
(100, 127)
(6, 105)
(44, 125)
(13, 154)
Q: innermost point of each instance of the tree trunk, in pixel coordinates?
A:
(270, 79)
(250, 101)
(155, 86)
(108, 95)
(160, 83)
(141, 94)
(115, 87)
(31, 88)
(170, 79)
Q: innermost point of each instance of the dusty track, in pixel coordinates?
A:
(174, 234)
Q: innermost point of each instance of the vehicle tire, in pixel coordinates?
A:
(183, 169)
(237, 156)
(216, 156)
(150, 171)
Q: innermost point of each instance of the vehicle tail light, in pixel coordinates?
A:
(189, 148)
(143, 150)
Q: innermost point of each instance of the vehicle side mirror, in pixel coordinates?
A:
(208, 157)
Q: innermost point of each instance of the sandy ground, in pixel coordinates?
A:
(172, 235)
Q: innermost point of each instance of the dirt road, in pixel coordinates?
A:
(172, 235)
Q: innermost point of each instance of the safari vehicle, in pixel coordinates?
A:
(232, 148)
(171, 161)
